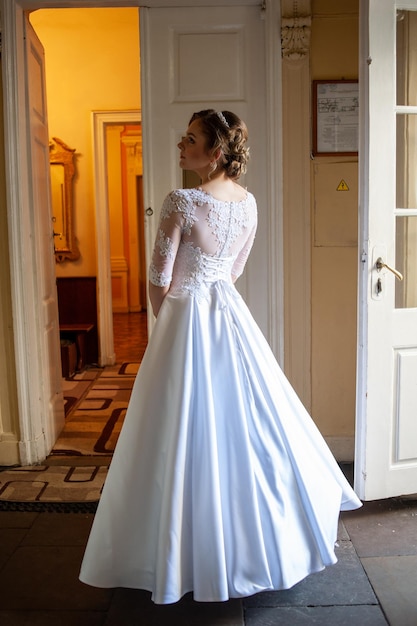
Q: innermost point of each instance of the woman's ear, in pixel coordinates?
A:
(217, 154)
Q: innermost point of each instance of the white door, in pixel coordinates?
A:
(196, 58)
(46, 362)
(386, 455)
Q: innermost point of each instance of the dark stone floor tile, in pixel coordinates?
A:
(383, 528)
(46, 578)
(10, 519)
(195, 614)
(134, 606)
(342, 584)
(10, 539)
(132, 599)
(58, 529)
(322, 616)
(52, 618)
(342, 534)
(394, 580)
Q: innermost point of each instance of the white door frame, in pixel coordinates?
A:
(29, 387)
(16, 166)
(100, 120)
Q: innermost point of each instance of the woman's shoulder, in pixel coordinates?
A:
(180, 201)
(176, 201)
(182, 198)
(251, 198)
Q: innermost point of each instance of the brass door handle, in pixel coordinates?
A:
(379, 264)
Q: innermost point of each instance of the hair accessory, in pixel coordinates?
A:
(222, 118)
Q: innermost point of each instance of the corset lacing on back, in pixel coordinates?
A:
(195, 271)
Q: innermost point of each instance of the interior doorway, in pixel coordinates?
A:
(123, 223)
(126, 215)
(265, 94)
(109, 170)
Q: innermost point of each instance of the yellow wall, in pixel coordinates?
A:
(92, 64)
(335, 39)
(334, 255)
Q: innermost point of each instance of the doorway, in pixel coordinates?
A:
(265, 95)
(126, 217)
(108, 204)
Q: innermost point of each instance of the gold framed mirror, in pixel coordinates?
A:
(62, 169)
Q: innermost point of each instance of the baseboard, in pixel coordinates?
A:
(343, 448)
(9, 452)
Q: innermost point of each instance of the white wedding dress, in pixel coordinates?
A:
(220, 484)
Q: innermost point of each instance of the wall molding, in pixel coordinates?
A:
(295, 28)
(274, 180)
(295, 37)
(105, 311)
(119, 276)
(296, 194)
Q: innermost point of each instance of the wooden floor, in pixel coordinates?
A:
(130, 336)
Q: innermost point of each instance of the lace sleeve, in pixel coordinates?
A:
(168, 239)
(243, 255)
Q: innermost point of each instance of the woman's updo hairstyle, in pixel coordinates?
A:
(226, 131)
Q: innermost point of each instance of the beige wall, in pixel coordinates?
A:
(334, 255)
(92, 64)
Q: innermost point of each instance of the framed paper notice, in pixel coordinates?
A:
(335, 117)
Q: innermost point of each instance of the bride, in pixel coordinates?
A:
(220, 483)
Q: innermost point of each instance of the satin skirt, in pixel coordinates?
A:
(220, 483)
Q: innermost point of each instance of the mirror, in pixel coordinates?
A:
(61, 159)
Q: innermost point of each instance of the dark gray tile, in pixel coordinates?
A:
(10, 519)
(132, 599)
(342, 534)
(394, 580)
(10, 538)
(134, 607)
(51, 618)
(46, 578)
(342, 584)
(58, 529)
(323, 616)
(383, 528)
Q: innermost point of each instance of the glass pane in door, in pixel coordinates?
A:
(406, 262)
(406, 179)
(407, 58)
(406, 155)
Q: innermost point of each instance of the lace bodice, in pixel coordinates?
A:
(201, 240)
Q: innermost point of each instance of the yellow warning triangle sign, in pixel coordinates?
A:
(342, 186)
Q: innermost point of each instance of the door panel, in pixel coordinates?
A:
(196, 58)
(49, 359)
(386, 459)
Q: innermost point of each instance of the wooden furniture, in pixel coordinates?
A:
(78, 331)
(77, 304)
